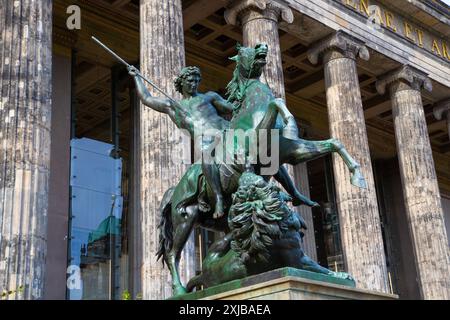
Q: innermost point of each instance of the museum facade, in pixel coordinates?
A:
(84, 165)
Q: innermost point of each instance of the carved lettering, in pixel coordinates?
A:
(445, 51)
(435, 48)
(408, 31)
(420, 37)
(389, 19)
(378, 16)
(350, 3)
(364, 7)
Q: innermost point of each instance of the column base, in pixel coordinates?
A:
(287, 284)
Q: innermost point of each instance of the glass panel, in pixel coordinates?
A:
(325, 218)
(96, 207)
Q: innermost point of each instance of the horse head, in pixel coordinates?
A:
(251, 61)
(249, 66)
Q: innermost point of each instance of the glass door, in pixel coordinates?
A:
(95, 224)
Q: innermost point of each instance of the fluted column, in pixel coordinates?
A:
(25, 113)
(441, 111)
(259, 21)
(162, 57)
(362, 240)
(300, 175)
(420, 185)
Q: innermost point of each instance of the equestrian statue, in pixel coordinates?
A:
(237, 197)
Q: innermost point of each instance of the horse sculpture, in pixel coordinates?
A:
(189, 203)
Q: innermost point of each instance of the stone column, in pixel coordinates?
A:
(300, 175)
(442, 110)
(162, 57)
(362, 240)
(420, 185)
(25, 110)
(259, 21)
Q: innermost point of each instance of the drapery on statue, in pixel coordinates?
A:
(226, 188)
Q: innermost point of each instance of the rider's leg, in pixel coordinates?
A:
(211, 172)
(183, 225)
(283, 177)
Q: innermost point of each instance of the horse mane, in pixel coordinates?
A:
(256, 218)
(234, 87)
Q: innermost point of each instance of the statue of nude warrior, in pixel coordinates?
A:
(197, 112)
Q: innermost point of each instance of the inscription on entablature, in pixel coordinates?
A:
(383, 17)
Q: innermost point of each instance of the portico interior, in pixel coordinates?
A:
(209, 42)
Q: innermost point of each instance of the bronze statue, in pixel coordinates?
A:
(265, 235)
(195, 113)
(214, 186)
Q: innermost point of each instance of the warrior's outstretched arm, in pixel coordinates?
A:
(163, 105)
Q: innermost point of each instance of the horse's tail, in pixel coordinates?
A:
(165, 225)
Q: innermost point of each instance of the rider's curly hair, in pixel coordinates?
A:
(185, 72)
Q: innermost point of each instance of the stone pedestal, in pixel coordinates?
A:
(287, 284)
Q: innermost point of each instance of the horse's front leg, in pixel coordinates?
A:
(183, 226)
(278, 107)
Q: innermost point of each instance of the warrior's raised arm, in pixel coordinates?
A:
(163, 105)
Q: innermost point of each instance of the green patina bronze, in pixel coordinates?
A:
(262, 232)
(261, 278)
(265, 234)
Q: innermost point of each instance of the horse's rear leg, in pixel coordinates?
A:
(304, 150)
(183, 226)
(357, 179)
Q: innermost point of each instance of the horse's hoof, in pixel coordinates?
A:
(179, 290)
(314, 204)
(358, 180)
(218, 215)
(297, 201)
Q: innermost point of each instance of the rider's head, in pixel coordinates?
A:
(188, 80)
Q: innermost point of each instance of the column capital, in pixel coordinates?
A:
(442, 109)
(270, 9)
(341, 41)
(414, 78)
